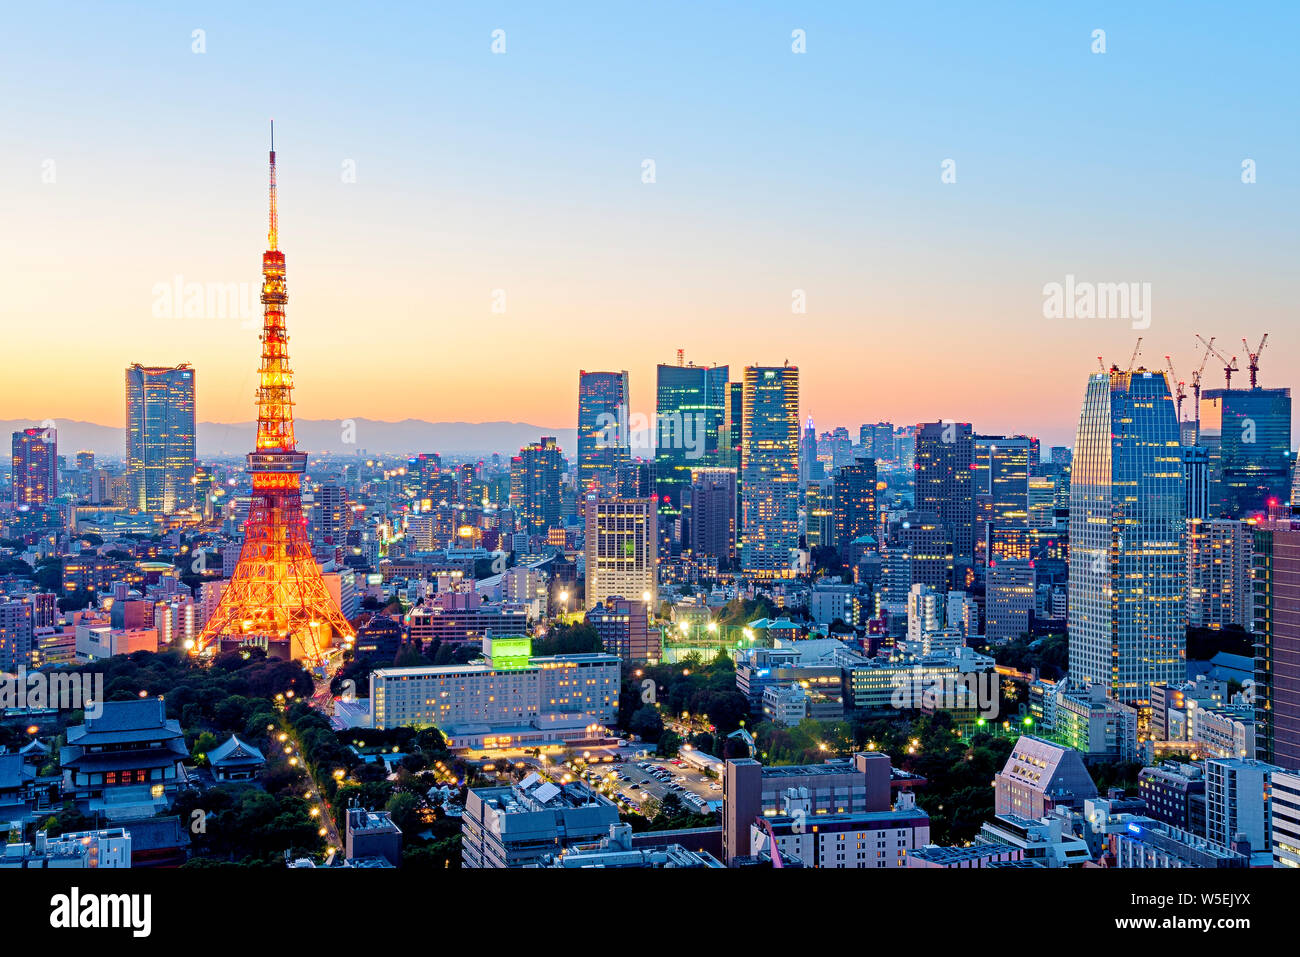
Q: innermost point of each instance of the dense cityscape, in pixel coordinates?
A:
(748, 602)
(760, 646)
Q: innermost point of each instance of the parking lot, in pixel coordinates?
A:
(660, 777)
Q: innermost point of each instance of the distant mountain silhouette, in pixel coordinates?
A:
(321, 435)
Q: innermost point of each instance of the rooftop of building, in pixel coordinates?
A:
(534, 793)
(940, 854)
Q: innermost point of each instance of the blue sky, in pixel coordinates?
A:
(774, 172)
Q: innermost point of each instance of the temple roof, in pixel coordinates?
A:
(234, 753)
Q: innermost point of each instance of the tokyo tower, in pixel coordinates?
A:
(277, 591)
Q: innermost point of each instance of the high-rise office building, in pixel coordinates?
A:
(930, 546)
(1040, 498)
(819, 512)
(603, 442)
(1238, 802)
(35, 466)
(1008, 601)
(1248, 435)
(840, 446)
(711, 514)
(535, 475)
(635, 480)
(1196, 481)
(1002, 468)
(1219, 593)
(877, 441)
(160, 437)
(732, 423)
(622, 549)
(808, 454)
(769, 471)
(1276, 690)
(945, 456)
(690, 407)
(331, 514)
(16, 625)
(1128, 574)
(854, 506)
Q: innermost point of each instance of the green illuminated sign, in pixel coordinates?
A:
(509, 654)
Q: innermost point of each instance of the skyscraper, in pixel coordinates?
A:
(1002, 472)
(808, 454)
(819, 513)
(16, 624)
(1196, 481)
(770, 471)
(690, 409)
(1127, 569)
(622, 549)
(1248, 434)
(1008, 600)
(877, 441)
(331, 514)
(603, 442)
(35, 466)
(1218, 573)
(535, 485)
(1276, 692)
(160, 435)
(945, 456)
(711, 513)
(854, 504)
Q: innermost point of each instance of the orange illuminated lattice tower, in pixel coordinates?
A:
(277, 591)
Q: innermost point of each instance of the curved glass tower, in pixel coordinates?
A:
(1127, 572)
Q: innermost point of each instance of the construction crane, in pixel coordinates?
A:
(1254, 358)
(1179, 386)
(1196, 382)
(1137, 351)
(1229, 365)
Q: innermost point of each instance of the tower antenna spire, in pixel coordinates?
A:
(273, 234)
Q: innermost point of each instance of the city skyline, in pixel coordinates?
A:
(670, 424)
(501, 186)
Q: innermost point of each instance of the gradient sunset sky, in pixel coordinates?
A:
(523, 172)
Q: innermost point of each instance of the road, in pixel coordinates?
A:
(321, 700)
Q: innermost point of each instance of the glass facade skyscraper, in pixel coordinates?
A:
(535, 475)
(944, 465)
(769, 455)
(603, 440)
(1248, 435)
(35, 466)
(854, 503)
(1127, 521)
(160, 437)
(690, 409)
